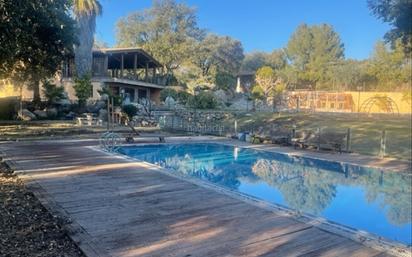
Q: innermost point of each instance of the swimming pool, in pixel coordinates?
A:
(362, 198)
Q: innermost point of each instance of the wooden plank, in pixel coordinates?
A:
(126, 208)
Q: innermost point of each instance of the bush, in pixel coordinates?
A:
(117, 100)
(168, 92)
(225, 81)
(8, 107)
(179, 96)
(183, 97)
(203, 100)
(52, 92)
(84, 88)
(130, 110)
(257, 93)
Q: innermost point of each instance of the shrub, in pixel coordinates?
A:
(225, 81)
(180, 96)
(52, 92)
(130, 110)
(183, 96)
(84, 88)
(203, 100)
(168, 92)
(8, 107)
(257, 93)
(117, 100)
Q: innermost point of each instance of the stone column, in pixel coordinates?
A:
(238, 87)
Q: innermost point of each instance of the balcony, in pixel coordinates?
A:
(123, 65)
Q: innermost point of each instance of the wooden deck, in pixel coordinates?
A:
(124, 208)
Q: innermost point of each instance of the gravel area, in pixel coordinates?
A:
(26, 227)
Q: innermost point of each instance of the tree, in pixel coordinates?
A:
(268, 85)
(83, 88)
(217, 57)
(86, 12)
(215, 53)
(35, 38)
(225, 81)
(253, 61)
(99, 44)
(399, 14)
(391, 68)
(265, 81)
(52, 92)
(312, 52)
(167, 31)
(277, 59)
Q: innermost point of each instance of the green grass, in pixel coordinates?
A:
(14, 130)
(366, 131)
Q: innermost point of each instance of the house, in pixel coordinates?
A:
(127, 72)
(245, 81)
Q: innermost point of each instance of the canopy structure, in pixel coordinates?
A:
(127, 58)
(121, 63)
(130, 71)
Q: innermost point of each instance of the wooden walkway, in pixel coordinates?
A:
(124, 208)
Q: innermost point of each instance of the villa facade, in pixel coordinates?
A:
(127, 72)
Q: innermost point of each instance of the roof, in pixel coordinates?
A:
(126, 50)
(246, 73)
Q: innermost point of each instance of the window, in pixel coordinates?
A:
(142, 93)
(130, 93)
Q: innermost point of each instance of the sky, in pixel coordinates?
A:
(265, 25)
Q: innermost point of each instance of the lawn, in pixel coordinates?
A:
(366, 131)
(44, 129)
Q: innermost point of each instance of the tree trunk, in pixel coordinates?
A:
(83, 51)
(36, 92)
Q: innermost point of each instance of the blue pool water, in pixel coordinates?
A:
(362, 198)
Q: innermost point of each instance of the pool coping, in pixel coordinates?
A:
(360, 236)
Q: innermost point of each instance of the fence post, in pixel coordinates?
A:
(235, 127)
(173, 122)
(108, 113)
(348, 140)
(382, 151)
(112, 111)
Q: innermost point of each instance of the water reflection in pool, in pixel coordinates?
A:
(363, 198)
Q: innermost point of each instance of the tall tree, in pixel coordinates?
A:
(253, 61)
(35, 38)
(352, 74)
(277, 59)
(216, 54)
(86, 12)
(390, 67)
(398, 13)
(167, 31)
(313, 51)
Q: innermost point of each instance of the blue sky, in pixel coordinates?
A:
(264, 25)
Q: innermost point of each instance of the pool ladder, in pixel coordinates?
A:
(110, 141)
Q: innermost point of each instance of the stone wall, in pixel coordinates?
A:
(205, 122)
